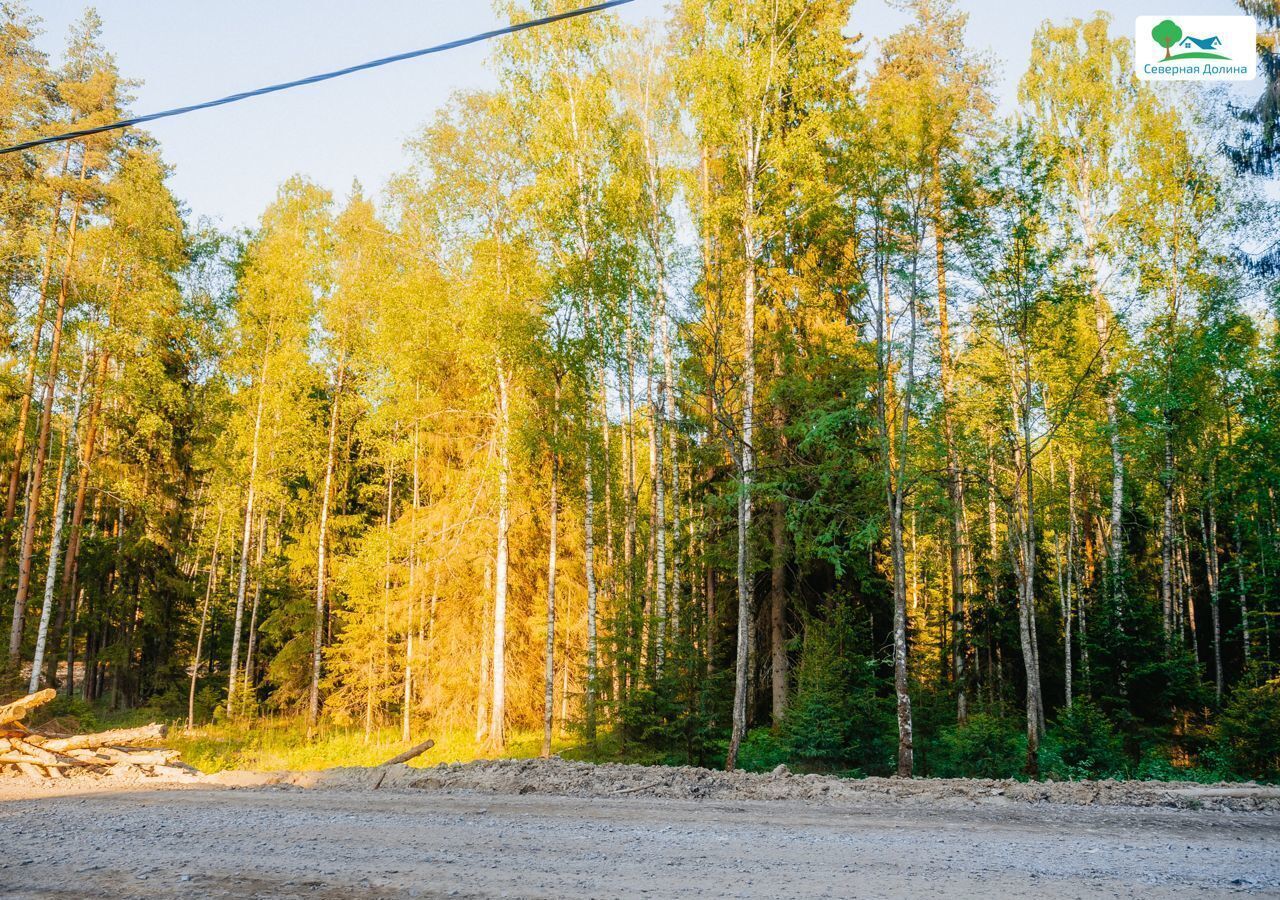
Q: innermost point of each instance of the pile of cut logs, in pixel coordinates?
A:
(45, 754)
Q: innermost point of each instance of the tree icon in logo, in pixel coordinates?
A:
(1166, 34)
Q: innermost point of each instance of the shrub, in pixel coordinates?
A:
(1083, 744)
(1249, 732)
(835, 720)
(761, 751)
(984, 747)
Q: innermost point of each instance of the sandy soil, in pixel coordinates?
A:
(553, 829)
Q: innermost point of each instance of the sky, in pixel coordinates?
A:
(228, 162)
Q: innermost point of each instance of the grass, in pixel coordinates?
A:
(276, 744)
(279, 743)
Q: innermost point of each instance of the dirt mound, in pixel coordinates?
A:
(574, 779)
(558, 777)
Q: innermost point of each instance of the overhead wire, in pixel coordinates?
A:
(513, 28)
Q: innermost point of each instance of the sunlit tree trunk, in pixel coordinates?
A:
(589, 555)
(249, 680)
(746, 451)
(1069, 599)
(36, 482)
(71, 563)
(1022, 534)
(406, 708)
(33, 355)
(247, 535)
(482, 682)
(322, 583)
(897, 498)
(632, 616)
(498, 707)
(210, 586)
(69, 452)
(955, 478)
(549, 681)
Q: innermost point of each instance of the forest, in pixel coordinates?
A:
(733, 390)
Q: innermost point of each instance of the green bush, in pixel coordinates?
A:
(1249, 732)
(761, 751)
(1157, 766)
(836, 721)
(984, 747)
(1083, 744)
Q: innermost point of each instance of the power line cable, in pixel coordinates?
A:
(313, 79)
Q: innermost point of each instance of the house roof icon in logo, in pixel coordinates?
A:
(1168, 34)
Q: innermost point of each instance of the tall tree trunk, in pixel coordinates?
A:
(632, 618)
(589, 550)
(777, 570)
(71, 564)
(69, 452)
(1209, 528)
(1023, 549)
(210, 586)
(317, 640)
(1243, 594)
(247, 534)
(32, 510)
(482, 683)
(668, 406)
(746, 455)
(406, 709)
(1071, 581)
(955, 478)
(249, 680)
(658, 523)
(549, 682)
(498, 707)
(901, 680)
(659, 377)
(33, 356)
(778, 612)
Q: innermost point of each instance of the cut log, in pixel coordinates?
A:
(12, 712)
(110, 755)
(37, 754)
(409, 754)
(13, 729)
(117, 738)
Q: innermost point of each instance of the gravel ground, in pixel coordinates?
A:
(553, 829)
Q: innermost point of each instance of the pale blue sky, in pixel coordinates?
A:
(229, 161)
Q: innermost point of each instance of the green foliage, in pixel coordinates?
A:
(762, 750)
(836, 721)
(986, 746)
(1156, 765)
(676, 723)
(1250, 731)
(1083, 744)
(68, 714)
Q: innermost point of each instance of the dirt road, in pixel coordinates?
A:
(211, 841)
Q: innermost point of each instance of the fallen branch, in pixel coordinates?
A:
(639, 787)
(409, 754)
